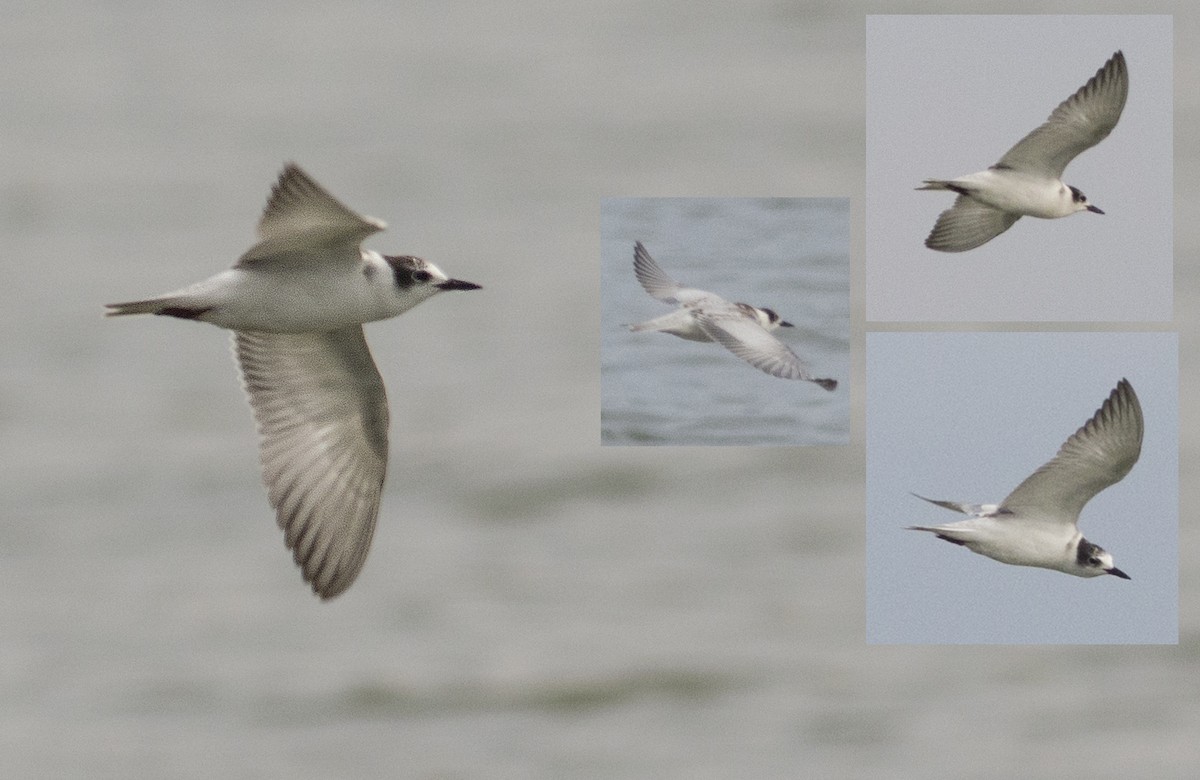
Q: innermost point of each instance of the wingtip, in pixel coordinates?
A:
(1115, 67)
(327, 595)
(290, 170)
(1124, 392)
(328, 584)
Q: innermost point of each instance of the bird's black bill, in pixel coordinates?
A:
(1118, 573)
(457, 284)
(783, 324)
(1094, 210)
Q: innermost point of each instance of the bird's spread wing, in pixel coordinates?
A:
(656, 282)
(1097, 455)
(968, 224)
(322, 417)
(652, 278)
(749, 341)
(302, 216)
(1079, 123)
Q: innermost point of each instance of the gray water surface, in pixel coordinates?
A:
(535, 605)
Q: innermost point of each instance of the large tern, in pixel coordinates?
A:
(296, 302)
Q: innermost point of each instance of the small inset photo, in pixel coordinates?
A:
(725, 321)
(1019, 168)
(1022, 488)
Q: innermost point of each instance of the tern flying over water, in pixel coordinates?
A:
(702, 316)
(296, 302)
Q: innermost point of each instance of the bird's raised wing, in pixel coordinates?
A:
(301, 216)
(1097, 455)
(1079, 123)
(653, 278)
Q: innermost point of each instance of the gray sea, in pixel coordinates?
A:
(535, 605)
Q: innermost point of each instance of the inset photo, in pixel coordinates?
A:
(1022, 488)
(725, 321)
(1019, 168)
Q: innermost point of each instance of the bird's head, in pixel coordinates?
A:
(769, 319)
(1081, 202)
(415, 279)
(1093, 561)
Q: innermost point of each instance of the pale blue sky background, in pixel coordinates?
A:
(967, 416)
(947, 96)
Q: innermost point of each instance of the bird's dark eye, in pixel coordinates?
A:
(1094, 561)
(421, 276)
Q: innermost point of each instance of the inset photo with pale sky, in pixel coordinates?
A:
(966, 418)
(948, 97)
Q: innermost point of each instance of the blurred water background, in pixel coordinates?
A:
(535, 605)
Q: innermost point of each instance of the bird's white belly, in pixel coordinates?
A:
(1025, 543)
(288, 302)
(1019, 193)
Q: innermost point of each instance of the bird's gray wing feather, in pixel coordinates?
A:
(749, 341)
(1079, 123)
(1097, 455)
(968, 224)
(303, 222)
(322, 417)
